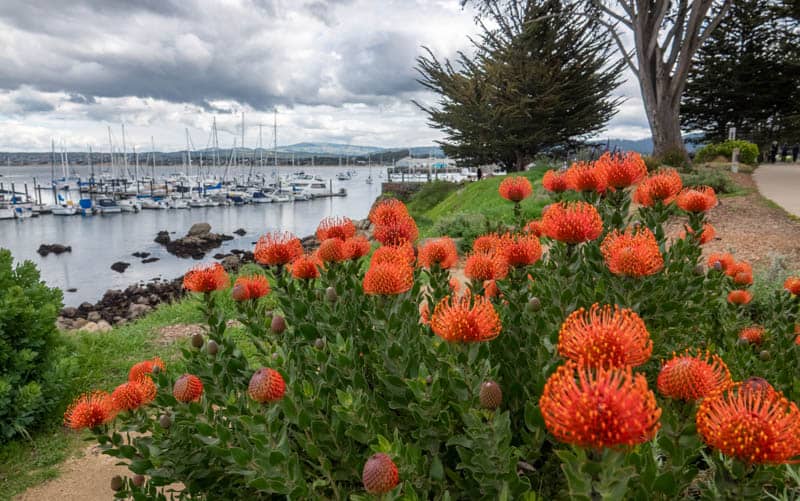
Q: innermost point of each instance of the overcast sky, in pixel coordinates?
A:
(337, 71)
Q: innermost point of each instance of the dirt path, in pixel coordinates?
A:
(83, 478)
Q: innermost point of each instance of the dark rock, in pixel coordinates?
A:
(72, 289)
(220, 255)
(226, 238)
(162, 238)
(85, 307)
(120, 266)
(94, 316)
(241, 232)
(150, 260)
(69, 312)
(199, 229)
(231, 263)
(141, 255)
(238, 252)
(56, 249)
(309, 243)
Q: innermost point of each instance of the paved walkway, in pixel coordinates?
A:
(781, 184)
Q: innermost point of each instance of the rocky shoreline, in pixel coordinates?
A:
(118, 307)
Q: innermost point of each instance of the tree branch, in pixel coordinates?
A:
(627, 55)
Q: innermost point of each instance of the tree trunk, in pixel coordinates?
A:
(666, 130)
(662, 106)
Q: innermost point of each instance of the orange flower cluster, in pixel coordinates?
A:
(266, 386)
(393, 224)
(305, 267)
(792, 285)
(739, 297)
(706, 235)
(605, 337)
(390, 271)
(555, 181)
(481, 266)
(188, 388)
(250, 288)
(698, 199)
(741, 272)
(586, 176)
(387, 211)
(693, 376)
(757, 427)
(521, 250)
(572, 223)
(144, 369)
(662, 186)
(599, 408)
(332, 250)
(439, 252)
(336, 227)
(131, 395)
(753, 334)
(278, 248)
(721, 262)
(491, 242)
(357, 247)
(465, 319)
(206, 278)
(90, 410)
(756, 384)
(515, 188)
(634, 253)
(622, 170)
(534, 227)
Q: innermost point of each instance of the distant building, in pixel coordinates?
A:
(426, 163)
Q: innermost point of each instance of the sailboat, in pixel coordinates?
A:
(66, 182)
(369, 178)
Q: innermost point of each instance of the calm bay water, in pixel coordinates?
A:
(99, 241)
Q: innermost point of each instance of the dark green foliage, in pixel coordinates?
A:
(31, 375)
(748, 152)
(465, 228)
(540, 78)
(745, 76)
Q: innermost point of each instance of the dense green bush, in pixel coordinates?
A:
(748, 152)
(32, 374)
(717, 179)
(465, 227)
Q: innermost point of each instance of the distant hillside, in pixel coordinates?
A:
(645, 145)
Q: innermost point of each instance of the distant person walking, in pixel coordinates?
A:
(795, 152)
(480, 174)
(784, 152)
(773, 151)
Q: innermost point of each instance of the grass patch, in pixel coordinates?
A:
(481, 197)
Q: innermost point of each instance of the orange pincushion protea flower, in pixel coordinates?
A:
(439, 252)
(699, 199)
(586, 176)
(466, 319)
(515, 188)
(251, 287)
(738, 267)
(634, 253)
(739, 297)
(336, 227)
(491, 242)
(332, 250)
(599, 408)
(792, 285)
(663, 186)
(388, 278)
(454, 284)
(555, 181)
(278, 248)
(605, 337)
(206, 278)
(393, 254)
(797, 340)
(572, 223)
(188, 388)
(706, 235)
(387, 211)
(692, 376)
(753, 334)
(756, 384)
(266, 385)
(757, 427)
(743, 278)
(534, 228)
(401, 230)
(725, 261)
(622, 170)
(129, 396)
(482, 266)
(144, 369)
(521, 250)
(490, 289)
(90, 410)
(305, 267)
(357, 247)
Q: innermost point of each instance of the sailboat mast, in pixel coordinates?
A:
(111, 151)
(124, 153)
(188, 153)
(52, 160)
(275, 138)
(153, 154)
(136, 167)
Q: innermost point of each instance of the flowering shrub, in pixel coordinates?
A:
(600, 360)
